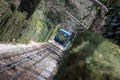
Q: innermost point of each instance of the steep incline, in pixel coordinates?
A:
(36, 61)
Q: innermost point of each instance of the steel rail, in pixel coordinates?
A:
(16, 63)
(52, 50)
(21, 72)
(13, 65)
(26, 58)
(18, 60)
(55, 47)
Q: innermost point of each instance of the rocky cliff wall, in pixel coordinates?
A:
(21, 21)
(24, 20)
(83, 10)
(11, 21)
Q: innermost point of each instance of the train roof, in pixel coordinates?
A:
(65, 31)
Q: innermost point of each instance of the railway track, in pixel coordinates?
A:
(37, 64)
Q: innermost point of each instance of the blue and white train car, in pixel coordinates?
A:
(62, 37)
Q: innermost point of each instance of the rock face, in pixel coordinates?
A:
(18, 20)
(11, 22)
(83, 10)
(29, 6)
(37, 18)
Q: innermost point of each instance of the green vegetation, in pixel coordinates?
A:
(112, 27)
(11, 22)
(21, 25)
(29, 6)
(32, 31)
(55, 17)
(91, 58)
(2, 5)
(39, 27)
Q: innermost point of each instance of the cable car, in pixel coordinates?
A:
(62, 37)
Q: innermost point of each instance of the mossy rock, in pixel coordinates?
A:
(11, 23)
(15, 25)
(3, 5)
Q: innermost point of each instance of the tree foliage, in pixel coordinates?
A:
(112, 27)
(91, 58)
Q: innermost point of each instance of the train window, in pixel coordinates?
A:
(62, 36)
